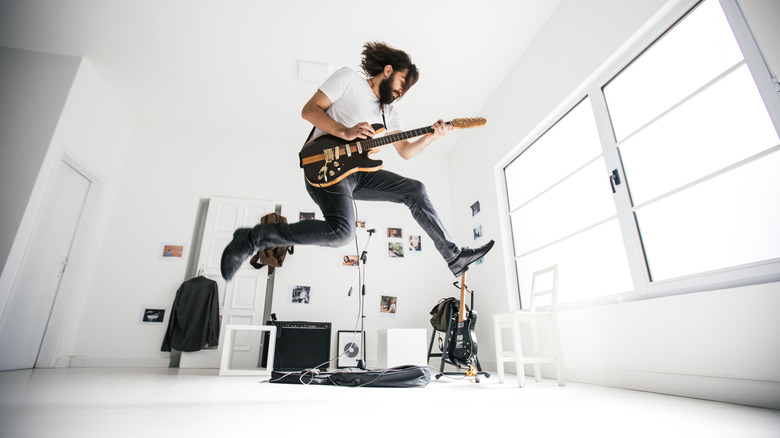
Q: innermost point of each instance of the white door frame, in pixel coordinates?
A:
(62, 322)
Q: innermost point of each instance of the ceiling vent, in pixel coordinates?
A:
(312, 71)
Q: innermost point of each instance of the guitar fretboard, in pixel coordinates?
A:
(381, 141)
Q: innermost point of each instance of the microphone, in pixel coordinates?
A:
(371, 231)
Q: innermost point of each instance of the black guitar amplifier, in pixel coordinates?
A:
(300, 345)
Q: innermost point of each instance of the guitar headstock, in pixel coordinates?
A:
(472, 122)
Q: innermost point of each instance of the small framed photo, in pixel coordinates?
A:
(300, 294)
(350, 348)
(388, 304)
(154, 315)
(475, 208)
(306, 216)
(395, 233)
(349, 260)
(415, 243)
(395, 249)
(171, 251)
(477, 232)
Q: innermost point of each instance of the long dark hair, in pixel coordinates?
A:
(377, 55)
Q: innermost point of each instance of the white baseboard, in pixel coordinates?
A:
(114, 362)
(758, 393)
(763, 394)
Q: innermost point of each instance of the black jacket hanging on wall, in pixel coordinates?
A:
(194, 320)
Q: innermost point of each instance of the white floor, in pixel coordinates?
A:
(80, 402)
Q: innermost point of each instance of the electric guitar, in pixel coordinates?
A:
(328, 159)
(463, 344)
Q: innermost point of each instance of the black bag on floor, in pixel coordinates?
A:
(406, 376)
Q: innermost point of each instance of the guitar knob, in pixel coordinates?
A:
(336, 163)
(331, 173)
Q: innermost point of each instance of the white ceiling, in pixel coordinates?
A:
(232, 64)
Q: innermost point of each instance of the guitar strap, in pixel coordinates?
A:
(310, 134)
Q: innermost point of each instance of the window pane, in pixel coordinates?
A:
(727, 221)
(564, 148)
(580, 201)
(694, 52)
(590, 265)
(723, 124)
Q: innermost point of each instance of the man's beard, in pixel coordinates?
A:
(386, 90)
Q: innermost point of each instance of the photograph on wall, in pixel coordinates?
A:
(350, 348)
(349, 260)
(171, 251)
(300, 294)
(415, 243)
(395, 233)
(475, 208)
(477, 232)
(388, 305)
(395, 249)
(305, 215)
(154, 315)
(360, 223)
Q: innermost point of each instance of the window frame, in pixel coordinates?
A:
(592, 90)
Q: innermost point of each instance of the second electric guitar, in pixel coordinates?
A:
(328, 159)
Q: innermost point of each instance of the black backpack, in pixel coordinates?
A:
(441, 313)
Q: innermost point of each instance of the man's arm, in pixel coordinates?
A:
(314, 113)
(408, 149)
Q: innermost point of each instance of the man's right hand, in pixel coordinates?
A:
(362, 130)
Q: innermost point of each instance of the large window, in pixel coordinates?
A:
(562, 212)
(695, 183)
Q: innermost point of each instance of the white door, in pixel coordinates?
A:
(32, 296)
(241, 300)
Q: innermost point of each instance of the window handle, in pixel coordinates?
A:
(614, 180)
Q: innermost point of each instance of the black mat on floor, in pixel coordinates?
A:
(406, 376)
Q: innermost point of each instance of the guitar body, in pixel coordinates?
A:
(463, 340)
(321, 173)
(463, 344)
(328, 159)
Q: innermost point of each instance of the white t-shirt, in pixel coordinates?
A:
(354, 102)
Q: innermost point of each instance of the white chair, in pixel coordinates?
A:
(512, 320)
(228, 347)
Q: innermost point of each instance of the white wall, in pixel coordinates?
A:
(166, 174)
(61, 110)
(714, 345)
(34, 89)
(93, 134)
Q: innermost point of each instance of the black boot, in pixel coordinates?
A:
(236, 252)
(468, 256)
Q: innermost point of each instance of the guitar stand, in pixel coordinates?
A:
(471, 370)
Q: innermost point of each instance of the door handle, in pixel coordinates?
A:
(614, 180)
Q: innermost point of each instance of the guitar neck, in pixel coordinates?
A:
(462, 309)
(392, 138)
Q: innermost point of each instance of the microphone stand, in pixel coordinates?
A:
(362, 275)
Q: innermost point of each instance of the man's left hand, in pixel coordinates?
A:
(440, 129)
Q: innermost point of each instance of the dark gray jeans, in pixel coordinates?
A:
(338, 228)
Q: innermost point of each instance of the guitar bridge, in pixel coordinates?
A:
(330, 155)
